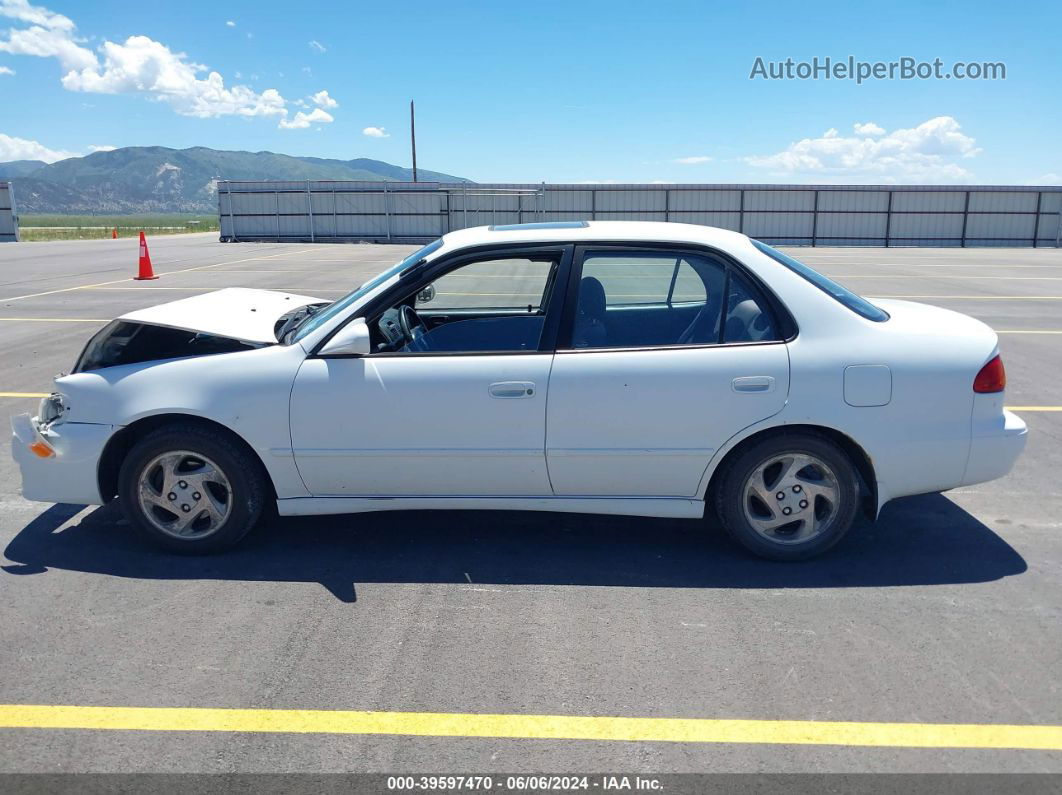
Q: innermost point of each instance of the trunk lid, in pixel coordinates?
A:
(927, 321)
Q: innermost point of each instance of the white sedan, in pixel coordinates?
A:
(647, 369)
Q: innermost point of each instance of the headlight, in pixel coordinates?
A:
(51, 408)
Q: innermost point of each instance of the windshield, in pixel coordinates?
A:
(857, 304)
(318, 319)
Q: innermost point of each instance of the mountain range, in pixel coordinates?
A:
(143, 179)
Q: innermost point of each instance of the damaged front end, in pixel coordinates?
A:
(224, 321)
(126, 342)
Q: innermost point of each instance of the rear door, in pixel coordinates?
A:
(681, 354)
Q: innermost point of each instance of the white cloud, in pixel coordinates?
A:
(101, 148)
(230, 24)
(23, 149)
(34, 15)
(6, 70)
(925, 153)
(48, 43)
(376, 132)
(140, 65)
(304, 120)
(322, 100)
(316, 46)
(143, 65)
(692, 161)
(870, 128)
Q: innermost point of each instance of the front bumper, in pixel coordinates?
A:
(994, 448)
(69, 474)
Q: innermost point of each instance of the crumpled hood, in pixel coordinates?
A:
(235, 312)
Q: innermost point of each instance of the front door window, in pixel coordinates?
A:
(495, 305)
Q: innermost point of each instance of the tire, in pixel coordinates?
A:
(218, 500)
(767, 479)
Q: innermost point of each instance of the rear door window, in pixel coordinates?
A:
(631, 299)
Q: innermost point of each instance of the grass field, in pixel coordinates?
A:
(33, 227)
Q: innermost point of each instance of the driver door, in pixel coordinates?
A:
(463, 415)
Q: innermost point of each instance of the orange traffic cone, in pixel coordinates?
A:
(145, 261)
(114, 234)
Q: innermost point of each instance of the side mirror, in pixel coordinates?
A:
(351, 340)
(427, 294)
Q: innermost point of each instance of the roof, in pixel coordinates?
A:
(596, 231)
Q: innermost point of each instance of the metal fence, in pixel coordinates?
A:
(827, 215)
(8, 216)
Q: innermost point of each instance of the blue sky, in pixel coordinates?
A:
(555, 91)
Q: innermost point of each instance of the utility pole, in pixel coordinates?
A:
(413, 137)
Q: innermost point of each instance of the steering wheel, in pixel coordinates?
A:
(413, 327)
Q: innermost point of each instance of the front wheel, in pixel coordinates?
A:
(788, 497)
(191, 490)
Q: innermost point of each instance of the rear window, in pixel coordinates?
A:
(857, 304)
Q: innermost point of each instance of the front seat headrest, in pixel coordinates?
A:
(591, 298)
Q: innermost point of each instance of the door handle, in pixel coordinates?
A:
(512, 389)
(753, 383)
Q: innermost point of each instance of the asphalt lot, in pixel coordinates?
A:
(947, 610)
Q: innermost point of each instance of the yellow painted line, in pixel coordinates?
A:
(52, 320)
(537, 727)
(167, 273)
(1034, 408)
(980, 297)
(23, 394)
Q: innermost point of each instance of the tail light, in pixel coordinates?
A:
(992, 378)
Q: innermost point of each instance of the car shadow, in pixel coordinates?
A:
(926, 540)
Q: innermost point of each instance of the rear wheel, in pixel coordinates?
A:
(788, 497)
(191, 490)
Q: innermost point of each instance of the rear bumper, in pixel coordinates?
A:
(994, 448)
(69, 474)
